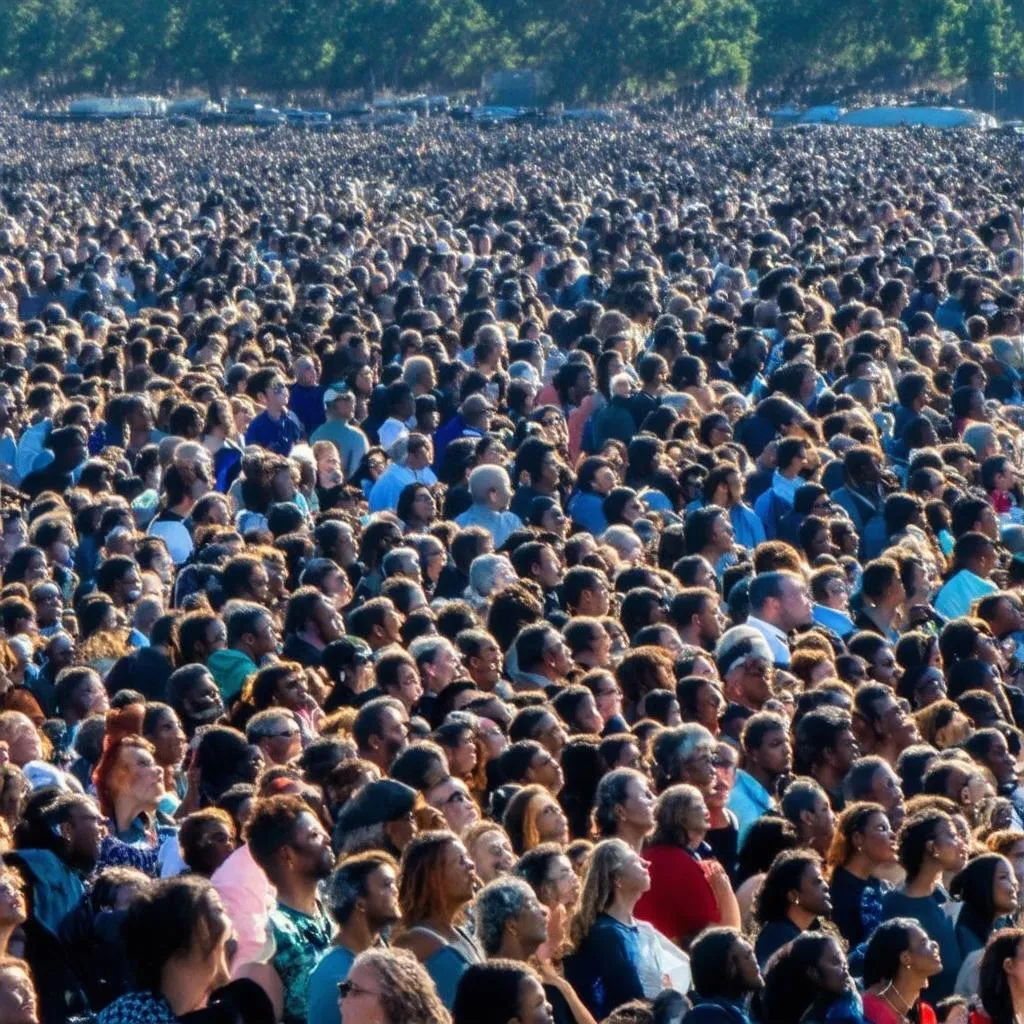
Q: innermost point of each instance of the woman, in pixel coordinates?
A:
(129, 785)
(532, 817)
(594, 482)
(176, 933)
(550, 874)
(1001, 981)
(416, 508)
(389, 986)
(689, 888)
(18, 1001)
(793, 897)
(217, 440)
(807, 982)
(900, 959)
(701, 700)
(13, 911)
(161, 727)
(863, 843)
(501, 991)
(488, 845)
(988, 888)
(436, 883)
(577, 707)
(605, 964)
(582, 770)
(624, 807)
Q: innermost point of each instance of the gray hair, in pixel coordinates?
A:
(401, 561)
(483, 574)
(979, 436)
(425, 649)
(416, 369)
(263, 723)
(497, 903)
(739, 644)
(673, 746)
(486, 478)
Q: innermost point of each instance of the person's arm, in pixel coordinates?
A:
(551, 977)
(728, 905)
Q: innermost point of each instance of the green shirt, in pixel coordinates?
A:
(300, 940)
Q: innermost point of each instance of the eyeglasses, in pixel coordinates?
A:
(350, 988)
(283, 735)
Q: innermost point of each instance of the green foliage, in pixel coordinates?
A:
(593, 49)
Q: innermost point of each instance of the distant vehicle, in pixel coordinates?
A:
(243, 111)
(315, 120)
(108, 107)
(498, 115)
(923, 117)
(394, 117)
(593, 114)
(192, 106)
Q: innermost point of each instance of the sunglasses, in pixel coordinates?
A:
(350, 988)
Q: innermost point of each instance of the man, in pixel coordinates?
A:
(80, 693)
(511, 922)
(695, 613)
(401, 405)
(537, 561)
(974, 555)
(381, 731)
(744, 662)
(491, 491)
(118, 577)
(362, 898)
(775, 502)
(276, 732)
(397, 677)
(883, 726)
(725, 975)
(310, 624)
(779, 602)
(252, 635)
(147, 669)
(276, 428)
(452, 799)
(723, 486)
(49, 605)
(437, 661)
(766, 758)
(586, 591)
(542, 657)
(831, 593)
(290, 845)
(351, 442)
(377, 622)
(70, 449)
(862, 498)
(588, 642)
(482, 657)
(411, 456)
(825, 749)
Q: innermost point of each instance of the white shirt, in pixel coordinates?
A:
(777, 640)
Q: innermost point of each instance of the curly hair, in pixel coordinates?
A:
(407, 993)
(603, 868)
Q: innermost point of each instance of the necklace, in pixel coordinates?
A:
(884, 994)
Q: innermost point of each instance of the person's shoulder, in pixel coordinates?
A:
(420, 943)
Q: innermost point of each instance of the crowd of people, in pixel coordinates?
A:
(565, 574)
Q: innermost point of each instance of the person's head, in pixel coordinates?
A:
(501, 989)
(176, 933)
(624, 806)
(127, 777)
(988, 888)
(681, 817)
(765, 743)
(794, 884)
(276, 733)
(723, 965)
(207, 838)
(807, 806)
(781, 598)
(436, 878)
(390, 986)
(251, 629)
(929, 841)
(381, 729)
(510, 919)
(532, 817)
(288, 842)
(78, 828)
(900, 949)
(18, 1000)
(615, 873)
(490, 849)
(364, 887)
(810, 970)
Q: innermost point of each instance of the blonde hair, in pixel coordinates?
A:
(603, 869)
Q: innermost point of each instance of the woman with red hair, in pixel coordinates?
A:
(129, 784)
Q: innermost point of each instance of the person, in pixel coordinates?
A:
(808, 980)
(689, 889)
(767, 757)
(604, 965)
(725, 974)
(899, 960)
(794, 895)
(390, 986)
(291, 846)
(362, 898)
(1000, 985)
(624, 807)
(502, 982)
(987, 889)
(929, 845)
(436, 882)
(491, 492)
(864, 843)
(511, 922)
(251, 635)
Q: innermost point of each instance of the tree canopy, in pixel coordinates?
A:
(593, 49)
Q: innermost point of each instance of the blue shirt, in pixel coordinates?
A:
(831, 618)
(322, 994)
(957, 596)
(604, 971)
(499, 525)
(748, 801)
(275, 435)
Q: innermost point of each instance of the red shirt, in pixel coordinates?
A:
(680, 901)
(878, 1011)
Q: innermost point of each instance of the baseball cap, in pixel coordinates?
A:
(376, 804)
(332, 394)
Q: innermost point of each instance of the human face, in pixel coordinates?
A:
(139, 776)
(394, 734)
(310, 848)
(930, 688)
(608, 697)
(877, 841)
(216, 637)
(774, 756)
(742, 964)
(710, 706)
(462, 757)
(831, 971)
(533, 1007)
(382, 898)
(947, 847)
(597, 601)
(168, 738)
(12, 900)
(218, 844)
(292, 692)
(284, 742)
(885, 668)
(17, 997)
(755, 681)
(633, 875)
(359, 1000)
(259, 585)
(562, 884)
(493, 855)
(558, 656)
(637, 810)
(265, 638)
(550, 734)
(203, 702)
(999, 760)
(85, 831)
(459, 875)
(794, 605)
(552, 826)
(588, 718)
(885, 790)
(23, 740)
(1004, 888)
(485, 667)
(813, 894)
(452, 799)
